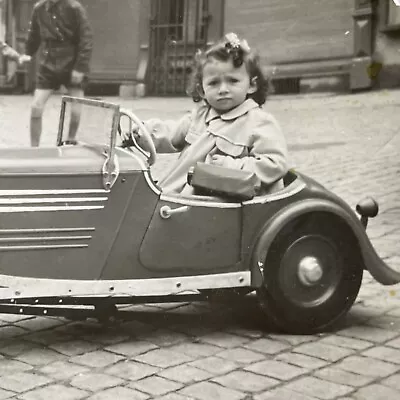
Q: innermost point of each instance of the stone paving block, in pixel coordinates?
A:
(347, 342)
(39, 323)
(107, 337)
(156, 386)
(348, 378)
(319, 388)
(163, 358)
(173, 396)
(246, 381)
(9, 367)
(394, 343)
(89, 329)
(215, 365)
(371, 334)
(195, 330)
(119, 393)
(23, 382)
(326, 352)
(267, 346)
(94, 382)
(385, 322)
(393, 382)
(40, 357)
(363, 312)
(12, 318)
(241, 356)
(15, 347)
(246, 332)
(46, 338)
(10, 332)
(5, 394)
(283, 394)
(277, 369)
(367, 366)
(62, 370)
(74, 347)
(209, 390)
(376, 392)
(294, 340)
(224, 340)
(301, 360)
(383, 353)
(59, 392)
(394, 312)
(97, 359)
(131, 370)
(131, 348)
(185, 374)
(163, 337)
(196, 349)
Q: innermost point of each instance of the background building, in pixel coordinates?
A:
(149, 44)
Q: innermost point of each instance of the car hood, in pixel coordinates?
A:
(63, 159)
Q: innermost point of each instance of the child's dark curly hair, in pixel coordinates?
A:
(229, 47)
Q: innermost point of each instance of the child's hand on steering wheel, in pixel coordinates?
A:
(131, 137)
(126, 136)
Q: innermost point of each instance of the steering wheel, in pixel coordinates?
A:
(149, 151)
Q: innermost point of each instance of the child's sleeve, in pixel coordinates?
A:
(268, 154)
(169, 136)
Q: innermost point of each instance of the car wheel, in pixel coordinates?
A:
(312, 274)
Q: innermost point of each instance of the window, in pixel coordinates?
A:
(389, 16)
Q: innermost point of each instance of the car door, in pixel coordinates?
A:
(192, 235)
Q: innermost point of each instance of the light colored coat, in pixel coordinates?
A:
(248, 137)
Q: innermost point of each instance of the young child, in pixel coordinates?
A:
(229, 128)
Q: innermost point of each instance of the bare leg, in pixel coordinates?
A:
(40, 98)
(75, 113)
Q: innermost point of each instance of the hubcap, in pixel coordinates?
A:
(310, 271)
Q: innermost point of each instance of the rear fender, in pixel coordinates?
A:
(372, 262)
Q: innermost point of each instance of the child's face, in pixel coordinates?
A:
(225, 86)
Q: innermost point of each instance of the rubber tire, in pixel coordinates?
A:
(288, 316)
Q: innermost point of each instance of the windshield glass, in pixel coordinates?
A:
(97, 120)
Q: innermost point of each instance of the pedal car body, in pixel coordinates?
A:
(87, 223)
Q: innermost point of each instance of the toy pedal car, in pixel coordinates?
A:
(85, 227)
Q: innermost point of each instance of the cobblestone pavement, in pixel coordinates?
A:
(205, 352)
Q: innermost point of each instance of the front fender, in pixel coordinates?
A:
(372, 262)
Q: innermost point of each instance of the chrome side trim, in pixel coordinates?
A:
(33, 200)
(34, 192)
(43, 247)
(43, 238)
(48, 209)
(46, 230)
(198, 203)
(268, 198)
(32, 287)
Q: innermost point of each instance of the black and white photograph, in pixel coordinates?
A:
(199, 200)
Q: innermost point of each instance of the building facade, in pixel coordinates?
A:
(150, 43)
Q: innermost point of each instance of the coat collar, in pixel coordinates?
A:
(51, 3)
(238, 111)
